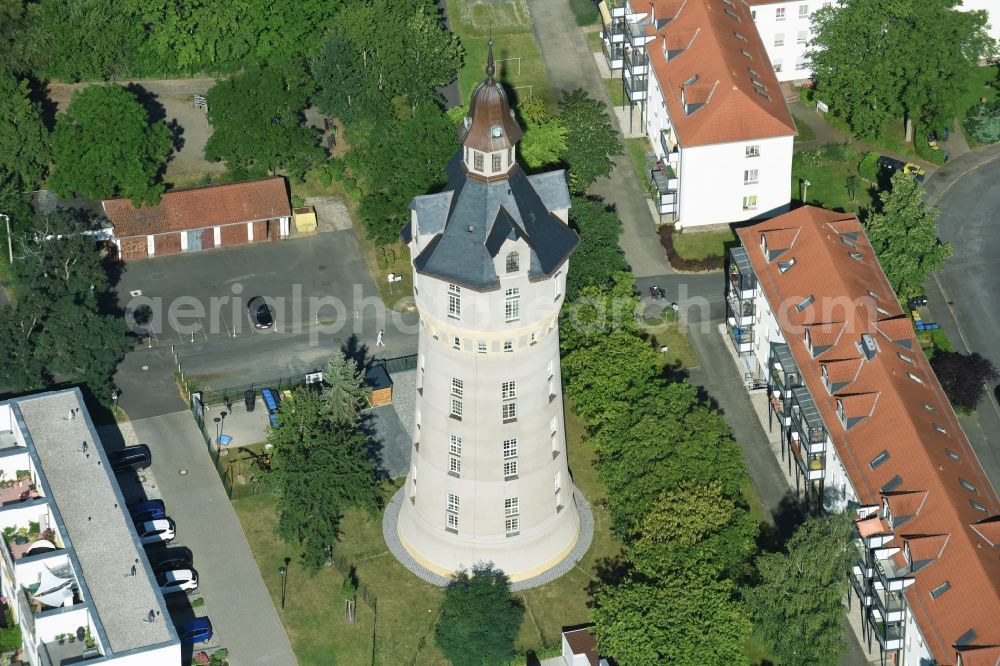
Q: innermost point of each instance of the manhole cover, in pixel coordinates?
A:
(135, 293)
(182, 472)
(321, 267)
(145, 367)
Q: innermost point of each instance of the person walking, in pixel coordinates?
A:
(378, 340)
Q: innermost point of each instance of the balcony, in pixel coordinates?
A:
(890, 606)
(889, 636)
(30, 541)
(636, 62)
(665, 185)
(635, 32)
(636, 87)
(742, 279)
(668, 142)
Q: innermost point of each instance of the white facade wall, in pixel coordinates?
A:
(548, 519)
(713, 187)
(992, 7)
(782, 26)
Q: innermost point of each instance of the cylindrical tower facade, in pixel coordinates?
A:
(488, 478)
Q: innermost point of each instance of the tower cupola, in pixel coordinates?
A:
(491, 132)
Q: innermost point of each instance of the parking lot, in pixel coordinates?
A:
(234, 597)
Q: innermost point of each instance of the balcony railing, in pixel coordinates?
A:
(668, 142)
(635, 87)
(890, 636)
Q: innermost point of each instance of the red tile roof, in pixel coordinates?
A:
(581, 641)
(199, 207)
(722, 65)
(912, 419)
(976, 655)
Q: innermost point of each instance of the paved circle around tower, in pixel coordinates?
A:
(391, 536)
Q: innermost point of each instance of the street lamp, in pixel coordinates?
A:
(805, 190)
(217, 421)
(284, 578)
(10, 243)
(114, 398)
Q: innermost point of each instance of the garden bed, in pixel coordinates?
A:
(666, 232)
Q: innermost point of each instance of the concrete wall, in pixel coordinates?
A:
(712, 184)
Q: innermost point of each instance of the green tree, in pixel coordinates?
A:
(934, 47)
(544, 140)
(983, 122)
(378, 51)
(321, 469)
(343, 388)
(105, 146)
(687, 619)
(479, 618)
(57, 331)
(598, 257)
(904, 235)
(963, 377)
(797, 607)
(597, 310)
(398, 161)
(695, 525)
(24, 143)
(591, 139)
(258, 121)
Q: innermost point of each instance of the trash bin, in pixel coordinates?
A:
(250, 399)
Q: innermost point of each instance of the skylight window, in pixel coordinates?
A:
(929, 407)
(762, 94)
(733, 15)
(872, 295)
(968, 486)
(940, 428)
(915, 378)
(783, 266)
(940, 589)
(977, 506)
(951, 454)
(746, 53)
(894, 482)
(693, 79)
(753, 72)
(806, 303)
(740, 36)
(905, 357)
(879, 459)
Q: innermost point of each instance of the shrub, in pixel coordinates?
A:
(355, 193)
(807, 96)
(983, 122)
(585, 11)
(325, 179)
(297, 201)
(198, 603)
(868, 168)
(350, 184)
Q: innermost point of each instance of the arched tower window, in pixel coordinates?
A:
(513, 262)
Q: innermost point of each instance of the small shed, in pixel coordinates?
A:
(304, 219)
(379, 382)
(579, 648)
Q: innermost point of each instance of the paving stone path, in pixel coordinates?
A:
(391, 537)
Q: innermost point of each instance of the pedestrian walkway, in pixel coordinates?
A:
(569, 65)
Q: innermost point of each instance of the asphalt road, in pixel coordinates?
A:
(319, 288)
(964, 294)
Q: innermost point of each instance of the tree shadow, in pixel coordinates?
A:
(608, 571)
(149, 101)
(788, 515)
(38, 93)
(354, 350)
(368, 428)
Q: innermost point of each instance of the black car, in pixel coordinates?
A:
(259, 313)
(890, 164)
(131, 457)
(169, 559)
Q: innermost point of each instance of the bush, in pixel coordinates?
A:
(325, 179)
(350, 184)
(585, 11)
(355, 193)
(807, 96)
(868, 168)
(983, 122)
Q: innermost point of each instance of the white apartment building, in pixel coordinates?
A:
(710, 106)
(71, 563)
(867, 428)
(488, 478)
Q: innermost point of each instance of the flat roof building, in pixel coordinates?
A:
(71, 562)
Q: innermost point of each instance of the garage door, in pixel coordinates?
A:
(207, 238)
(167, 244)
(260, 231)
(234, 234)
(134, 248)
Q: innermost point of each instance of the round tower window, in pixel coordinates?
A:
(496, 132)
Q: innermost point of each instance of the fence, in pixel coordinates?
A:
(197, 411)
(218, 396)
(364, 591)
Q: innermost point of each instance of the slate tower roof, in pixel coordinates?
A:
(460, 231)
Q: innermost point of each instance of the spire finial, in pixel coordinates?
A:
(490, 67)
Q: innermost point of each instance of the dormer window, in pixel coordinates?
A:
(513, 262)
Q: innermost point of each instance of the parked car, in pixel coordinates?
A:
(260, 313)
(195, 631)
(156, 531)
(178, 580)
(891, 165)
(148, 510)
(131, 457)
(166, 560)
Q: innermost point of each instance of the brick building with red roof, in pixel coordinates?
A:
(201, 218)
(868, 428)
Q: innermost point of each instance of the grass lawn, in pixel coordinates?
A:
(593, 38)
(617, 95)
(408, 607)
(512, 38)
(672, 335)
(637, 149)
(702, 244)
(806, 133)
(827, 169)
